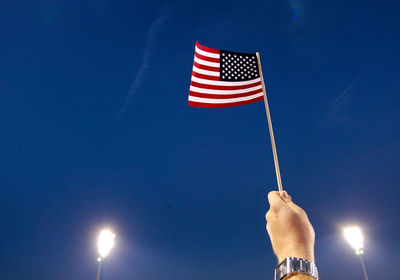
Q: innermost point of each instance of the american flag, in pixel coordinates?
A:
(224, 78)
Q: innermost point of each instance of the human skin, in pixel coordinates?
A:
(298, 276)
(290, 230)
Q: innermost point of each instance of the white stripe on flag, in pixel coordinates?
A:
(224, 92)
(205, 72)
(219, 101)
(205, 53)
(200, 61)
(223, 83)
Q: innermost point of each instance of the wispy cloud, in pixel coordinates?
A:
(141, 73)
(348, 88)
(339, 106)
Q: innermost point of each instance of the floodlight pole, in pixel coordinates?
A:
(99, 260)
(363, 267)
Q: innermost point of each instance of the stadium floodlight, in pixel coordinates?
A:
(354, 237)
(105, 242)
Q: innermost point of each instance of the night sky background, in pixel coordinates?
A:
(95, 131)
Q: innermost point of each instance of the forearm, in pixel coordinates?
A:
(298, 276)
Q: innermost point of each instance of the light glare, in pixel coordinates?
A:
(354, 236)
(105, 242)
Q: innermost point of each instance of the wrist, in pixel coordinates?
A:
(298, 276)
(297, 250)
(298, 253)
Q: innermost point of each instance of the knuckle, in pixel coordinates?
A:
(268, 216)
(302, 212)
(268, 227)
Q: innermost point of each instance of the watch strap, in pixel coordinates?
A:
(295, 265)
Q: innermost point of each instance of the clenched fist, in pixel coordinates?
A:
(289, 229)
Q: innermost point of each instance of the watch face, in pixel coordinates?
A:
(295, 266)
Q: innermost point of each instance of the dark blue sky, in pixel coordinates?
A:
(95, 131)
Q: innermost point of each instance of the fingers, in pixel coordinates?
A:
(278, 201)
(268, 228)
(274, 196)
(297, 208)
(275, 200)
(269, 216)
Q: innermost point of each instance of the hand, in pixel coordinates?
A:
(289, 229)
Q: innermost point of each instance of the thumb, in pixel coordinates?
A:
(286, 197)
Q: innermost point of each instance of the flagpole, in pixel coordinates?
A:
(271, 132)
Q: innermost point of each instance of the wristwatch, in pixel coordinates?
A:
(295, 265)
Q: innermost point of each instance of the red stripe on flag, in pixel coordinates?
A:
(224, 96)
(201, 85)
(206, 77)
(205, 67)
(203, 48)
(212, 105)
(206, 58)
